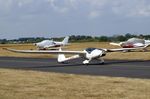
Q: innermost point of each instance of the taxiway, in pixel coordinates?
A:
(114, 68)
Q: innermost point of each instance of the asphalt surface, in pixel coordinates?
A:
(115, 68)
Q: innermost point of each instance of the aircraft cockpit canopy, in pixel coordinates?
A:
(89, 50)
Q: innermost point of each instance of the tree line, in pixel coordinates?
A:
(77, 38)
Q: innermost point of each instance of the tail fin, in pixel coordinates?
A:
(61, 57)
(65, 41)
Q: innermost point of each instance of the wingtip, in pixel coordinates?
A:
(8, 49)
(5, 48)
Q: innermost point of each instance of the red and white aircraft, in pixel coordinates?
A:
(88, 54)
(133, 43)
(50, 44)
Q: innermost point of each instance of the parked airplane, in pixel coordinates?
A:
(87, 54)
(47, 44)
(133, 43)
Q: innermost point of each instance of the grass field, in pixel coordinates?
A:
(78, 46)
(18, 84)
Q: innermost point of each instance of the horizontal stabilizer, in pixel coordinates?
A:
(62, 58)
(116, 44)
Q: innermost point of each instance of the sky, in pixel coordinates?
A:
(57, 18)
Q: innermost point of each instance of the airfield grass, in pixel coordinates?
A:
(137, 55)
(20, 84)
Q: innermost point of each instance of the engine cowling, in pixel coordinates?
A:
(93, 53)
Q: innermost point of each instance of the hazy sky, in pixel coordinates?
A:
(51, 18)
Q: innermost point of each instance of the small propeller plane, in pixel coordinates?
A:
(50, 44)
(133, 43)
(88, 54)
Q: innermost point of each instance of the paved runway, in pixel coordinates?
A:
(115, 68)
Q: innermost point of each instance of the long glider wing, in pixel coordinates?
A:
(67, 52)
(45, 51)
(123, 49)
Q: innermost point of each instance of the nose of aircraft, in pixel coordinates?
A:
(97, 53)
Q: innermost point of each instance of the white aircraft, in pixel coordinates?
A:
(87, 54)
(46, 44)
(133, 43)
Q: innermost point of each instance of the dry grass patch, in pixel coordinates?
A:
(77, 46)
(16, 84)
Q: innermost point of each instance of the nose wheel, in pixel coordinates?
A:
(86, 62)
(101, 61)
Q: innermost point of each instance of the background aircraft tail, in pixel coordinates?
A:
(65, 41)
